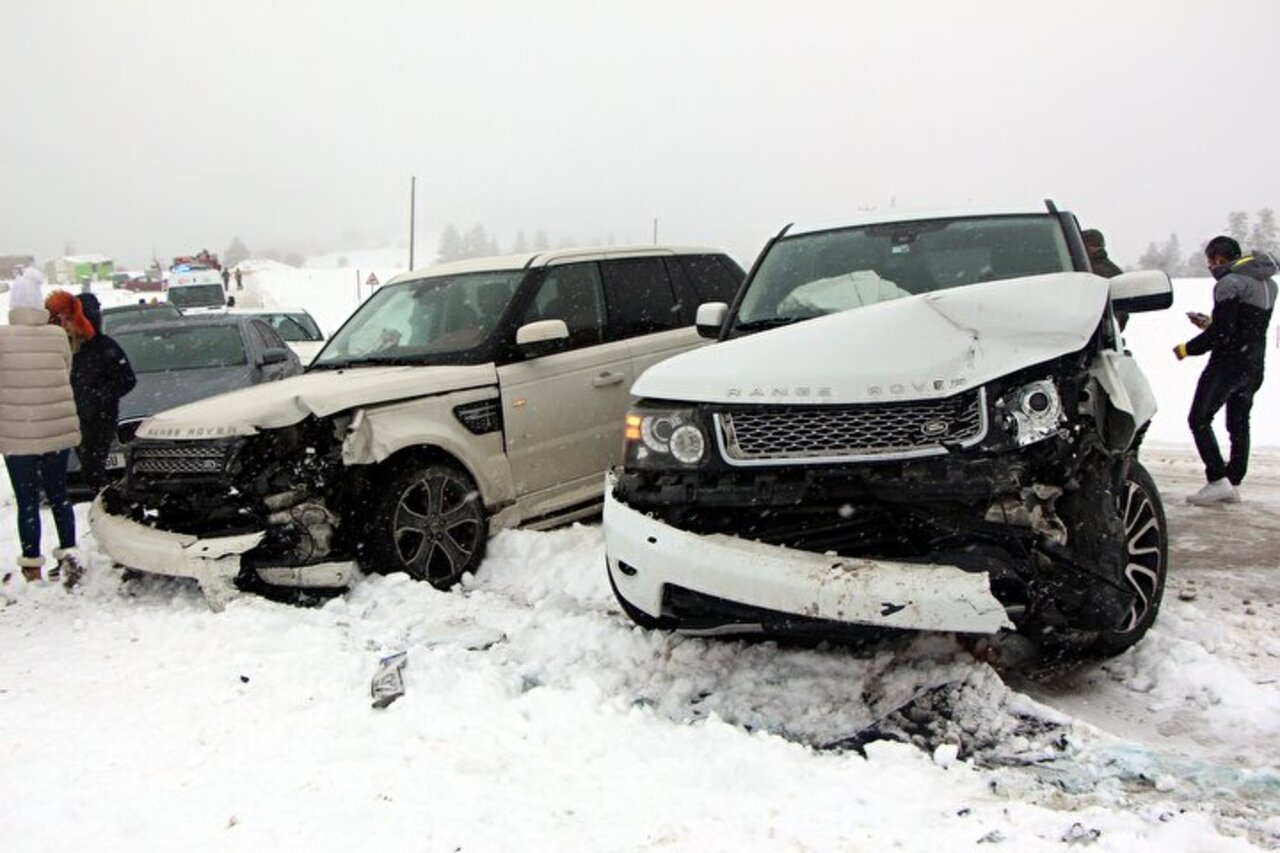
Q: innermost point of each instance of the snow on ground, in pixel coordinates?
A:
(537, 717)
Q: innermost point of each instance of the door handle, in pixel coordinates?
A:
(608, 379)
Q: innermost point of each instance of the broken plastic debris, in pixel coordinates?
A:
(388, 682)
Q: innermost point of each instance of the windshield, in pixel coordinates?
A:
(428, 319)
(153, 350)
(294, 327)
(809, 275)
(197, 295)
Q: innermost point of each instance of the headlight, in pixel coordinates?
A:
(1034, 410)
(663, 439)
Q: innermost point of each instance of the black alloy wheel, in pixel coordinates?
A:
(1146, 537)
(429, 521)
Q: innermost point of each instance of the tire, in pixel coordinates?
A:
(428, 521)
(1146, 560)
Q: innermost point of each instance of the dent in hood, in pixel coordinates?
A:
(278, 404)
(919, 347)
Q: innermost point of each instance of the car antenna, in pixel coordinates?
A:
(1053, 208)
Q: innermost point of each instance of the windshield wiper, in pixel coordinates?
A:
(766, 323)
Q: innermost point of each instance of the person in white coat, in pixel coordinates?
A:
(38, 424)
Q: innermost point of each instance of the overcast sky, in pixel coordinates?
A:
(175, 125)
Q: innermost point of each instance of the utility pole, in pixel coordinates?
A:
(413, 189)
(655, 230)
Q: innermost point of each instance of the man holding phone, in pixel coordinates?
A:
(1235, 336)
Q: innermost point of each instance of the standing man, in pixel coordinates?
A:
(239, 282)
(1235, 336)
(1096, 245)
(226, 278)
(100, 376)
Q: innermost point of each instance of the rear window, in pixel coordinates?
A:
(153, 350)
(197, 295)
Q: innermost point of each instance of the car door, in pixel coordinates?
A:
(563, 411)
(647, 312)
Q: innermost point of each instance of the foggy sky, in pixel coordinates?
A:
(169, 126)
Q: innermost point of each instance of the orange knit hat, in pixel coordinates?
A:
(67, 309)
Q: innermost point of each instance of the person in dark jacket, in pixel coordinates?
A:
(100, 376)
(1235, 337)
(1101, 264)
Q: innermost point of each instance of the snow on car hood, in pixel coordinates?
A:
(277, 404)
(917, 347)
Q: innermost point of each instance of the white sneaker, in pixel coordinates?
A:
(1217, 492)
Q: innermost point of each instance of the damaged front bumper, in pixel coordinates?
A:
(647, 558)
(215, 562)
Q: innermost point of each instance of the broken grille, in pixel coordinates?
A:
(827, 433)
(179, 459)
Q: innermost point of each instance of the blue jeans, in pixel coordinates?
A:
(28, 474)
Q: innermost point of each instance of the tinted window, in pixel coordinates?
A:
(712, 279)
(266, 336)
(294, 327)
(640, 297)
(197, 295)
(571, 293)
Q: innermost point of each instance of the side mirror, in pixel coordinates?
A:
(541, 331)
(231, 302)
(275, 355)
(710, 318)
(1144, 290)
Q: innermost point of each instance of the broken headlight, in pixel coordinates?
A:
(1032, 412)
(664, 438)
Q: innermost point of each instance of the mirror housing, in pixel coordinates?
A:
(231, 302)
(1143, 290)
(710, 318)
(541, 331)
(274, 355)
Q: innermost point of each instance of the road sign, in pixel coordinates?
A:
(372, 280)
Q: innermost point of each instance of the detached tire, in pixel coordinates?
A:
(428, 521)
(1146, 563)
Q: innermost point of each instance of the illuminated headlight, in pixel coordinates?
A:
(658, 439)
(1036, 411)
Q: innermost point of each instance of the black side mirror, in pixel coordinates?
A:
(275, 355)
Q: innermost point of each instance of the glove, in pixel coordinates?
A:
(1180, 351)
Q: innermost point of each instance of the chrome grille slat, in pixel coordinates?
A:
(897, 430)
(179, 459)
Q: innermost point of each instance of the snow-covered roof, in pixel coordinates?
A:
(549, 257)
(894, 214)
(87, 259)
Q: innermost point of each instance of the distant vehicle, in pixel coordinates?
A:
(180, 361)
(198, 291)
(295, 325)
(201, 260)
(133, 315)
(150, 281)
(456, 401)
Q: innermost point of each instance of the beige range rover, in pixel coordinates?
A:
(457, 401)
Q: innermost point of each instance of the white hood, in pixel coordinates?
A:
(918, 347)
(277, 404)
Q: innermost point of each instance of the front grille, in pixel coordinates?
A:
(179, 459)
(842, 433)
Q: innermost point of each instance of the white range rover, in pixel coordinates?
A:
(924, 423)
(457, 400)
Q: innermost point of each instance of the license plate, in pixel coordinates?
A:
(115, 460)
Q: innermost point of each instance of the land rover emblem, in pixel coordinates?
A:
(934, 428)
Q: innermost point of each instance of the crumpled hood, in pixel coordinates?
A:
(277, 404)
(918, 347)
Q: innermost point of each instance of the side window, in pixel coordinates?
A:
(640, 297)
(267, 337)
(571, 293)
(711, 276)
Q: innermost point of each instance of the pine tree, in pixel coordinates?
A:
(451, 248)
(1264, 236)
(1238, 225)
(540, 241)
(476, 243)
(521, 245)
(235, 253)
